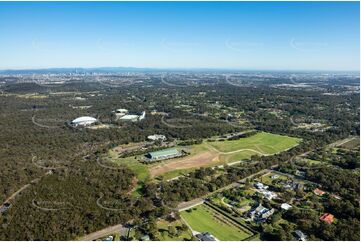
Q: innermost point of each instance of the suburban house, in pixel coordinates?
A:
(327, 217)
(269, 195)
(286, 206)
(260, 213)
(318, 192)
(260, 186)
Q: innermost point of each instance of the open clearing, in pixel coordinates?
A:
(209, 154)
(220, 152)
(204, 219)
(263, 142)
(199, 160)
(351, 144)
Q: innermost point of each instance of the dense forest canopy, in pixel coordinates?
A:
(35, 127)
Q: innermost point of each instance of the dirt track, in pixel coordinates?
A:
(205, 158)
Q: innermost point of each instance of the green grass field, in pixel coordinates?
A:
(204, 219)
(259, 144)
(242, 155)
(163, 230)
(265, 143)
(132, 163)
(267, 179)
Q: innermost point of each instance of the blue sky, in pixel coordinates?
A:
(242, 35)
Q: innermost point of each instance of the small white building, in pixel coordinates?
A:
(260, 213)
(286, 206)
(260, 186)
(83, 121)
(269, 195)
(133, 117)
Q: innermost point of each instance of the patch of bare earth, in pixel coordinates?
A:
(203, 159)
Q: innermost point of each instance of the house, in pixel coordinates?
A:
(300, 173)
(269, 195)
(206, 236)
(286, 206)
(275, 176)
(327, 217)
(291, 185)
(318, 192)
(300, 235)
(260, 213)
(260, 186)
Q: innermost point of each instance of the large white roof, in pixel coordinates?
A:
(84, 119)
(130, 116)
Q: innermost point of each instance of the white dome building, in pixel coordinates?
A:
(84, 121)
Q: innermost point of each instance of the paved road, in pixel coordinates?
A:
(116, 229)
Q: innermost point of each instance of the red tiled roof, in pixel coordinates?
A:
(327, 217)
(318, 192)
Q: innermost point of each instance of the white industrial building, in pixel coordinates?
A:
(83, 121)
(133, 117)
(129, 117)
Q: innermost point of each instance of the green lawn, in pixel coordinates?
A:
(267, 179)
(312, 162)
(163, 230)
(242, 155)
(132, 163)
(175, 173)
(260, 143)
(204, 219)
(265, 143)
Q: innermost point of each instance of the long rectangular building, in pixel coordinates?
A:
(164, 154)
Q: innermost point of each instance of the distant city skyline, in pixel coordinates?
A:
(305, 36)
